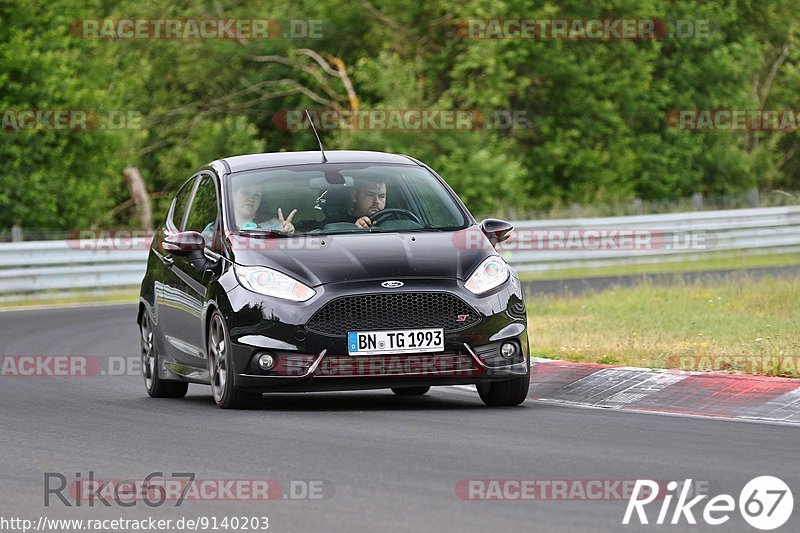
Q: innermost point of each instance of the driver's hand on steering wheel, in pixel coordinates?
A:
(363, 222)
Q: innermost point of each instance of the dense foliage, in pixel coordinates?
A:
(597, 110)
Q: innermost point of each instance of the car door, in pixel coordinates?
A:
(169, 287)
(193, 273)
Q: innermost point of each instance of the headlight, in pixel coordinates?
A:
(270, 282)
(491, 273)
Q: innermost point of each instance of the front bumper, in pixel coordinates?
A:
(309, 361)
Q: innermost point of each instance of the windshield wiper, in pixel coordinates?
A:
(426, 228)
(354, 231)
(262, 233)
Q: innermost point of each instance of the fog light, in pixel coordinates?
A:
(266, 361)
(508, 350)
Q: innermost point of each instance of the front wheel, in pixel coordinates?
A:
(155, 385)
(220, 368)
(505, 393)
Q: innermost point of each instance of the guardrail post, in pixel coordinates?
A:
(16, 233)
(752, 197)
(697, 201)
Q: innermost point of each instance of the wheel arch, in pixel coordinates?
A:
(216, 301)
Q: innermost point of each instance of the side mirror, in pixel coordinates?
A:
(496, 230)
(184, 243)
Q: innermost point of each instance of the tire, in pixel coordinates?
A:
(156, 386)
(220, 368)
(505, 393)
(410, 391)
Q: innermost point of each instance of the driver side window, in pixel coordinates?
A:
(202, 216)
(179, 204)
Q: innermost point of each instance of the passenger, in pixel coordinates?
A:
(246, 201)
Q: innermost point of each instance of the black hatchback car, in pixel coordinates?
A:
(295, 272)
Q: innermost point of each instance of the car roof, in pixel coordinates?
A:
(241, 163)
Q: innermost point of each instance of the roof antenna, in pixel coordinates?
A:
(322, 150)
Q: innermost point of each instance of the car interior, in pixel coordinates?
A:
(324, 201)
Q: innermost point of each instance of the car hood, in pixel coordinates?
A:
(319, 260)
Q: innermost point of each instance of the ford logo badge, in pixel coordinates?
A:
(392, 284)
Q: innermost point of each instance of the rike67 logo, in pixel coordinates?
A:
(765, 503)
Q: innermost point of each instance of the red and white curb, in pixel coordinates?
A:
(707, 394)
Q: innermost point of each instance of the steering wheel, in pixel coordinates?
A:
(381, 216)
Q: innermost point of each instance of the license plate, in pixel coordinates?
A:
(392, 342)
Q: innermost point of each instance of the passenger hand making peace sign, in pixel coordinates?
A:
(286, 225)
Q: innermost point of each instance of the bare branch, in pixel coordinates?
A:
(152, 147)
(312, 71)
(340, 71)
(789, 155)
(773, 71)
(318, 58)
(348, 86)
(378, 14)
(272, 59)
(298, 87)
(317, 75)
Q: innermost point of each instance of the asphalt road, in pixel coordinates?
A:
(390, 463)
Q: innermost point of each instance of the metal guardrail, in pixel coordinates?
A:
(672, 237)
(536, 246)
(63, 265)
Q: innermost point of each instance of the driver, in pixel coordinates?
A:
(369, 197)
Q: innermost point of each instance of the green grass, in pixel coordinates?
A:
(718, 261)
(60, 298)
(741, 325)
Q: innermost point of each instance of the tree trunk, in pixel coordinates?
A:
(140, 197)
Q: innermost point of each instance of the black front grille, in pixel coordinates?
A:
(401, 310)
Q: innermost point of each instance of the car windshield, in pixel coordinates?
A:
(340, 198)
